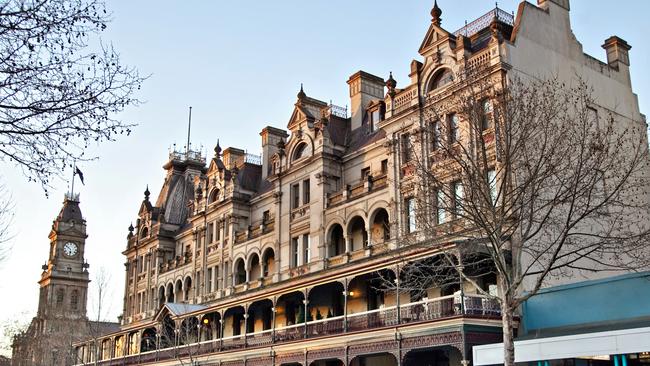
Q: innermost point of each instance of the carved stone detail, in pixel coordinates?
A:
(325, 354)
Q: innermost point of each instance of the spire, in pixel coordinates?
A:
(217, 150)
(391, 83)
(436, 12)
(301, 93)
(147, 193)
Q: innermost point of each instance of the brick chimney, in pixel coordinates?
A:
(231, 155)
(364, 88)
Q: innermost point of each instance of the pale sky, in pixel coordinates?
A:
(239, 64)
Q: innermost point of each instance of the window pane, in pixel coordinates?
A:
(453, 128)
(435, 139)
(440, 196)
(487, 115)
(492, 183)
(305, 192)
(306, 249)
(458, 197)
(406, 148)
(410, 215)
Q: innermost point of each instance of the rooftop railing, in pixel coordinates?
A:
(485, 21)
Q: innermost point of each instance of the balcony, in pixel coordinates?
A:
(255, 230)
(420, 312)
(354, 191)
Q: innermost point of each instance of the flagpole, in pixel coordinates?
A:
(74, 172)
(189, 128)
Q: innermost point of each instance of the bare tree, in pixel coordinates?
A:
(99, 308)
(180, 338)
(12, 327)
(527, 180)
(59, 91)
(6, 218)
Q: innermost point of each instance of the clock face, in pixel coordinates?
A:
(70, 249)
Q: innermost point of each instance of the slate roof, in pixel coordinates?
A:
(70, 211)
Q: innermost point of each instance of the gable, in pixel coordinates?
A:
(298, 115)
(434, 37)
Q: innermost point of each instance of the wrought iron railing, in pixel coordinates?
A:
(426, 310)
(188, 155)
(485, 21)
(338, 110)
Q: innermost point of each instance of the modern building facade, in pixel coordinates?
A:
(597, 322)
(283, 258)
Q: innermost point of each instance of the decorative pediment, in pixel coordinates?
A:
(67, 231)
(216, 165)
(145, 208)
(306, 108)
(435, 36)
(298, 115)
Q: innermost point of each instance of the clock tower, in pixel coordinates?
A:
(64, 281)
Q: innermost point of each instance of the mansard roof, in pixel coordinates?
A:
(362, 137)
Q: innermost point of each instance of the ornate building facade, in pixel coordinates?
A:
(61, 316)
(279, 259)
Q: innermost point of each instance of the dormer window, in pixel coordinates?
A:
(376, 112)
(375, 118)
(440, 79)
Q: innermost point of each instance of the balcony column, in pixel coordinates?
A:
(397, 299)
(245, 328)
(273, 311)
(347, 243)
(345, 306)
(177, 336)
(199, 319)
(369, 234)
(221, 332)
(306, 302)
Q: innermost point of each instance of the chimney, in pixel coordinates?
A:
(231, 156)
(561, 3)
(364, 88)
(270, 138)
(617, 52)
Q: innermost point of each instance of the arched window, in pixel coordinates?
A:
(441, 78)
(214, 195)
(74, 299)
(59, 297)
(144, 233)
(300, 152)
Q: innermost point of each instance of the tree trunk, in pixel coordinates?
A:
(508, 334)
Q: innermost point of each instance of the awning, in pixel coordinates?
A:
(613, 342)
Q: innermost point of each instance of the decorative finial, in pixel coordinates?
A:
(301, 93)
(217, 150)
(131, 228)
(436, 12)
(146, 193)
(391, 83)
